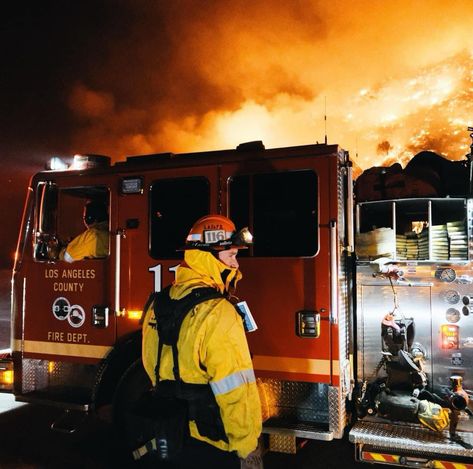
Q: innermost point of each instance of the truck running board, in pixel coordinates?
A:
(283, 435)
(310, 431)
(408, 445)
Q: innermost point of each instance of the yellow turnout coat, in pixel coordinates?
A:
(212, 349)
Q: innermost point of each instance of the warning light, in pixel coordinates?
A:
(6, 378)
(450, 335)
(134, 314)
(56, 163)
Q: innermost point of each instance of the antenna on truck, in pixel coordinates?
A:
(469, 157)
(325, 119)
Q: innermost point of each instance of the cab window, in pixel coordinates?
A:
(60, 217)
(280, 210)
(175, 204)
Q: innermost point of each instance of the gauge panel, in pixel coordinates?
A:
(451, 296)
(452, 315)
(446, 275)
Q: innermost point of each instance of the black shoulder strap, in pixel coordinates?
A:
(150, 300)
(169, 317)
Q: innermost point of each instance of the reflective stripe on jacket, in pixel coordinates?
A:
(212, 349)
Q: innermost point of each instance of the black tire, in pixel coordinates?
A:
(131, 431)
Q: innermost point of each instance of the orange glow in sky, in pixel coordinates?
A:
(384, 79)
(392, 77)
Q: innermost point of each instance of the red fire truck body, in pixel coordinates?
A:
(76, 326)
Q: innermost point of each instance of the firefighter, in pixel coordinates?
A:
(93, 242)
(212, 346)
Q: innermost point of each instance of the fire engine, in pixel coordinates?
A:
(346, 303)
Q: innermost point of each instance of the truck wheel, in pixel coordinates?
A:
(129, 425)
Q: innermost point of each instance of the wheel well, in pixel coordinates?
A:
(132, 428)
(124, 353)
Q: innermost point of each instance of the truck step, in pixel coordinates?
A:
(69, 421)
(410, 439)
(66, 397)
(309, 430)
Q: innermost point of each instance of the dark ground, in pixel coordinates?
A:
(26, 441)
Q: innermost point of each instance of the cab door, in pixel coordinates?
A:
(67, 306)
(155, 222)
(290, 205)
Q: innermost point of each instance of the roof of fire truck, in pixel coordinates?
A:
(249, 151)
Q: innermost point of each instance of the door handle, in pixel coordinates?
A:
(333, 272)
(118, 238)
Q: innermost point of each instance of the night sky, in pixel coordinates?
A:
(128, 77)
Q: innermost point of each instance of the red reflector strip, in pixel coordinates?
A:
(451, 465)
(393, 459)
(379, 457)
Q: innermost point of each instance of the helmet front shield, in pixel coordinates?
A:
(242, 239)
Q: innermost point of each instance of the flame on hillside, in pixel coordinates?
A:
(388, 84)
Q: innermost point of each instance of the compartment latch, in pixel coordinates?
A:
(308, 324)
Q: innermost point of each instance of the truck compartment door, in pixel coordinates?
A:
(288, 206)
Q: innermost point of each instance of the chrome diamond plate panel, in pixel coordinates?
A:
(337, 412)
(411, 438)
(282, 444)
(297, 401)
(42, 374)
(301, 430)
(34, 375)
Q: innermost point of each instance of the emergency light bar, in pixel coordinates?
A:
(78, 162)
(56, 163)
(90, 161)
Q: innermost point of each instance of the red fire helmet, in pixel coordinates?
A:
(217, 232)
